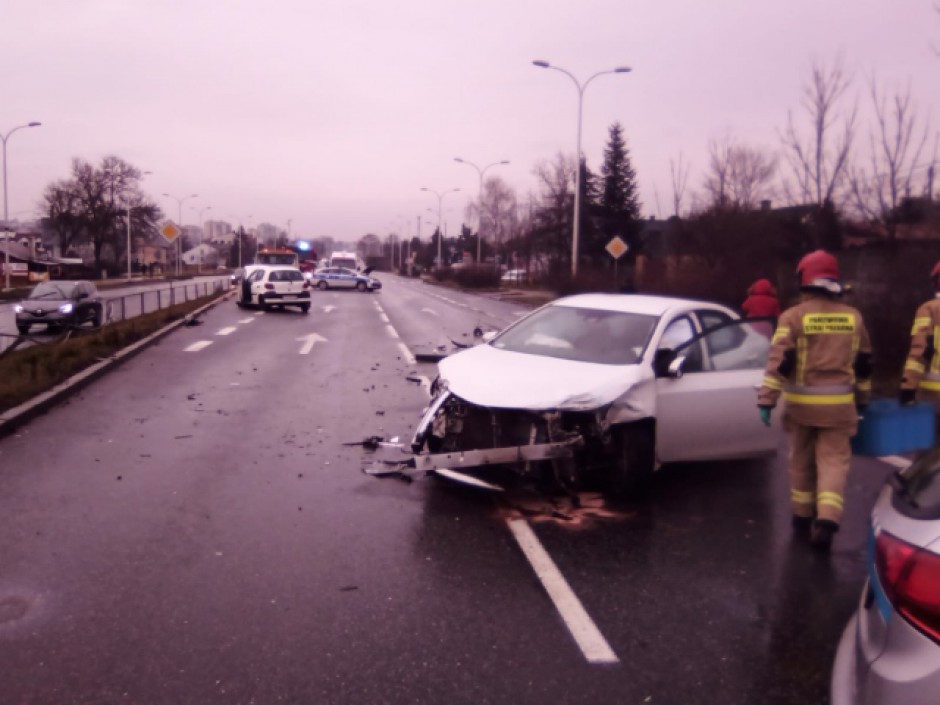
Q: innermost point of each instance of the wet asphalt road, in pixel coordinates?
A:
(192, 529)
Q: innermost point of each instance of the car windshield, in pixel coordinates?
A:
(49, 290)
(583, 334)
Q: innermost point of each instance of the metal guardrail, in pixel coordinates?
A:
(122, 308)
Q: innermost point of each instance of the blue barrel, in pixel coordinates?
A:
(889, 428)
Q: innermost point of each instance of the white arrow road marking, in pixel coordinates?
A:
(309, 341)
(406, 353)
(431, 311)
(593, 645)
(226, 331)
(196, 347)
(328, 308)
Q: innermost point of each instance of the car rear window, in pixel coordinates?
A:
(917, 489)
(583, 334)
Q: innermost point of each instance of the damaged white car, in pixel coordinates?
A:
(599, 389)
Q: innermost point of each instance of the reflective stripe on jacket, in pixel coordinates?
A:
(922, 367)
(812, 363)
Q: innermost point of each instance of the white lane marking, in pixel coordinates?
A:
(897, 461)
(226, 331)
(259, 313)
(245, 320)
(391, 331)
(406, 353)
(592, 643)
(196, 347)
(383, 317)
(309, 341)
(328, 308)
(431, 311)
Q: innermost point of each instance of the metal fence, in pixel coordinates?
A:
(121, 308)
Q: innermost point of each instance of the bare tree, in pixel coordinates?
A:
(679, 174)
(818, 154)
(896, 148)
(739, 175)
(719, 170)
(551, 221)
(498, 208)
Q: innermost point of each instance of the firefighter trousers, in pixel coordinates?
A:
(819, 467)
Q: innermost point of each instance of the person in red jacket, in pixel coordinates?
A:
(761, 300)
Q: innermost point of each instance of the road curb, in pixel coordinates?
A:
(12, 419)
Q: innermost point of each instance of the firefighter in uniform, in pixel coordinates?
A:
(921, 380)
(820, 361)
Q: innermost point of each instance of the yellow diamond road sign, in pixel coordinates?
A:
(617, 248)
(170, 232)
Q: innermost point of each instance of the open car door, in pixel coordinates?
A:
(706, 394)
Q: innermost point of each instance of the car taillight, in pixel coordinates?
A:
(910, 577)
(269, 286)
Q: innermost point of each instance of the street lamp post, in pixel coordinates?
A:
(480, 197)
(576, 229)
(179, 214)
(440, 233)
(201, 233)
(6, 224)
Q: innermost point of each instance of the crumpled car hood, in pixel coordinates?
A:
(487, 376)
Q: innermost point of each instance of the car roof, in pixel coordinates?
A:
(636, 303)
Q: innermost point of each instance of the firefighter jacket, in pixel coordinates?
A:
(820, 361)
(922, 367)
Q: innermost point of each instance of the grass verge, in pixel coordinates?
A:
(29, 372)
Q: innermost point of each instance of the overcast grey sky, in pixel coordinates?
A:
(334, 113)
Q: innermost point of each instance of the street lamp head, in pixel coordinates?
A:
(425, 189)
(34, 124)
(622, 69)
(541, 64)
(458, 159)
(505, 161)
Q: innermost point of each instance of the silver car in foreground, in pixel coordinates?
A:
(597, 390)
(890, 651)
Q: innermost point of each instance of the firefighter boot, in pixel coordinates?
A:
(820, 536)
(802, 525)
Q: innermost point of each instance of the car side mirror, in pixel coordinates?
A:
(662, 361)
(675, 367)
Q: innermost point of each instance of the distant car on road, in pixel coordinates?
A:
(890, 650)
(343, 278)
(599, 389)
(275, 286)
(60, 304)
(514, 276)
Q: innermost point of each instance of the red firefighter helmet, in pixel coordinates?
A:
(819, 270)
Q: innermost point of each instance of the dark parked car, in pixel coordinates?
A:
(60, 304)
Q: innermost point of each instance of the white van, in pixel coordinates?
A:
(348, 260)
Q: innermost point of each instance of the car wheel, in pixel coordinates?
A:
(633, 459)
(322, 285)
(361, 286)
(305, 308)
(23, 328)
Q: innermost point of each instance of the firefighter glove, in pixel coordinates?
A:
(906, 396)
(765, 414)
